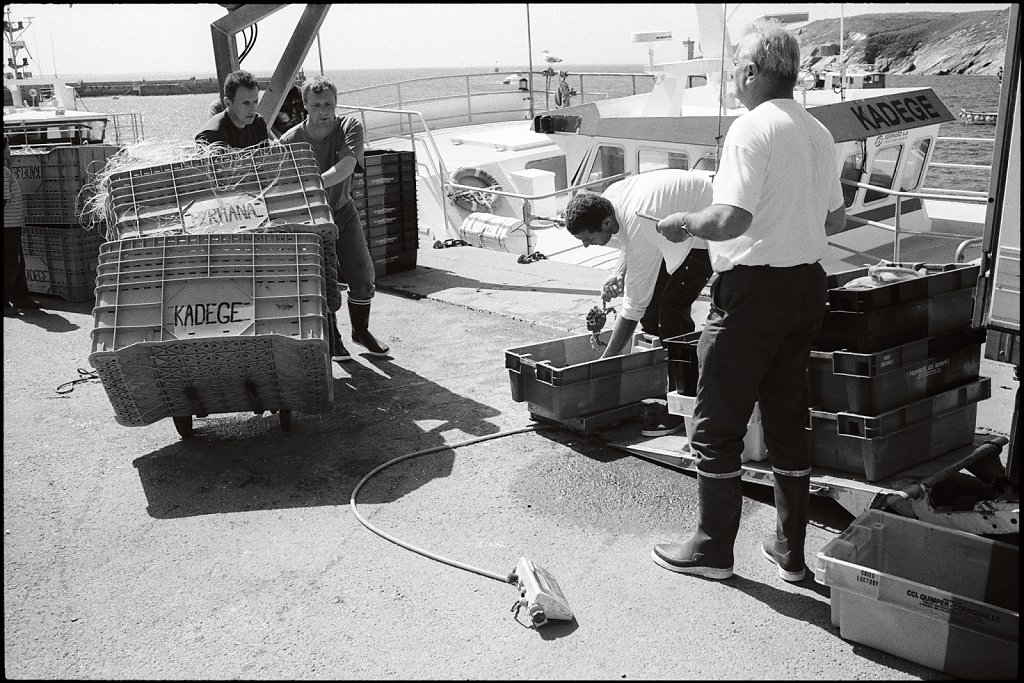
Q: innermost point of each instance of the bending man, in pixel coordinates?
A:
(595, 219)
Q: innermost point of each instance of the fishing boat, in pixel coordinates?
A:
(45, 110)
(495, 169)
(970, 117)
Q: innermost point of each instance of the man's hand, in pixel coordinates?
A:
(613, 287)
(673, 228)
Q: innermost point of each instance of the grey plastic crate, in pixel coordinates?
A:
(565, 378)
(878, 446)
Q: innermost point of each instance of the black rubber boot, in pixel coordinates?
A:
(338, 350)
(708, 553)
(359, 317)
(786, 547)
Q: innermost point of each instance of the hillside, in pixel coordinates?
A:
(924, 43)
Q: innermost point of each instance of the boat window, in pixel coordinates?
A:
(696, 80)
(883, 172)
(708, 163)
(609, 161)
(655, 159)
(913, 170)
(853, 166)
(555, 165)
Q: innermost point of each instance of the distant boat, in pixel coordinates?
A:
(970, 117)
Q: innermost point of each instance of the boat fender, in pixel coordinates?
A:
(470, 200)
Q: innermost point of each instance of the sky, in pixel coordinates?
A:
(80, 40)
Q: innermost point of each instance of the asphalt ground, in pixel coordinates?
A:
(132, 553)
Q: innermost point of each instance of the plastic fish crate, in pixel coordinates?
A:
(376, 158)
(53, 180)
(682, 362)
(753, 442)
(883, 328)
(380, 237)
(397, 217)
(245, 333)
(393, 244)
(149, 381)
(383, 168)
(243, 189)
(871, 383)
(565, 378)
(940, 279)
(61, 261)
(936, 596)
(145, 299)
(394, 263)
(878, 446)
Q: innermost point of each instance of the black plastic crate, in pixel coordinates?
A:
(878, 446)
(940, 279)
(682, 362)
(394, 263)
(882, 328)
(407, 239)
(871, 383)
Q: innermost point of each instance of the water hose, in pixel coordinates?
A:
(507, 578)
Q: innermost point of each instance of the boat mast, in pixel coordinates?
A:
(842, 59)
(529, 49)
(16, 44)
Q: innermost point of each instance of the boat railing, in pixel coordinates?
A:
(468, 98)
(529, 218)
(979, 168)
(900, 196)
(125, 129)
(436, 165)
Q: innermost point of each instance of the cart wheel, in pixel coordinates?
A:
(286, 419)
(183, 425)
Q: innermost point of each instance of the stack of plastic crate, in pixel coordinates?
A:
(266, 189)
(893, 379)
(213, 323)
(214, 296)
(385, 197)
(60, 252)
(683, 374)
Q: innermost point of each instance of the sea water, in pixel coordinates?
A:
(178, 117)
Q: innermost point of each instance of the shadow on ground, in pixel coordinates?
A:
(429, 281)
(236, 465)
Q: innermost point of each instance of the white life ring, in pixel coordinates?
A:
(474, 200)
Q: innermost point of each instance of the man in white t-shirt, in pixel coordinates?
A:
(776, 196)
(613, 216)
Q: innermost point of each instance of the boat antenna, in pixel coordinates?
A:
(721, 89)
(842, 59)
(529, 49)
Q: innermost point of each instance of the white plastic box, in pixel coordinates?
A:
(753, 442)
(940, 597)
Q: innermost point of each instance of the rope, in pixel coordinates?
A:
(83, 376)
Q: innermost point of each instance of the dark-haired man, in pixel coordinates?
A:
(337, 143)
(238, 125)
(595, 219)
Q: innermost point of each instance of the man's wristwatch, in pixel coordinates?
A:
(685, 228)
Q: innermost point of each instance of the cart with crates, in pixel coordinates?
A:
(214, 295)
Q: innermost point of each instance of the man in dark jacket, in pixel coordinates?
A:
(238, 125)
